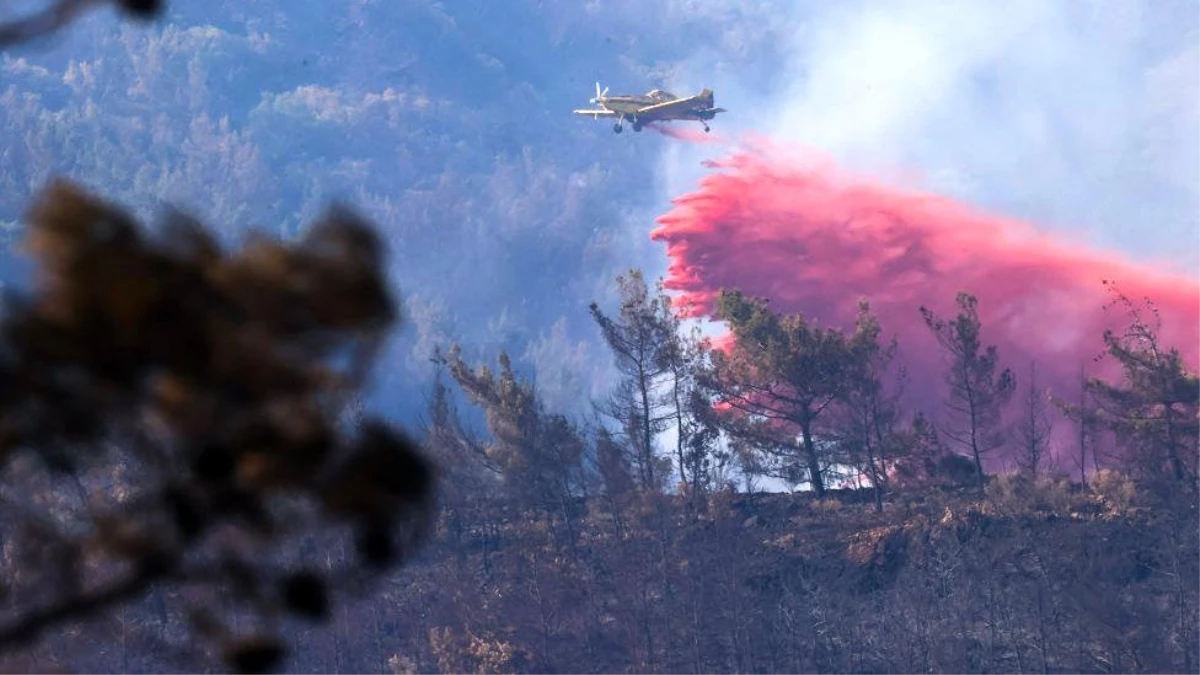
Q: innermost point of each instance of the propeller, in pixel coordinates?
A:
(599, 94)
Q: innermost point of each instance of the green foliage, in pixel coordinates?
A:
(781, 375)
(869, 436)
(979, 390)
(1155, 411)
(538, 455)
(659, 363)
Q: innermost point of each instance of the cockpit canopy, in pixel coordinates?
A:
(660, 95)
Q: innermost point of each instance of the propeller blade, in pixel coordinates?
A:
(600, 94)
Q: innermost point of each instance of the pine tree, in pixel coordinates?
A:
(694, 440)
(868, 414)
(1154, 411)
(466, 469)
(780, 377)
(538, 455)
(979, 389)
(643, 337)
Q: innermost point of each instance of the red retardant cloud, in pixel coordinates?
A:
(689, 134)
(790, 226)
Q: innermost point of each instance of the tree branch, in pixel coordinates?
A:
(27, 628)
(52, 18)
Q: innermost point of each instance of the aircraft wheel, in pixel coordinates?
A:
(616, 128)
(637, 127)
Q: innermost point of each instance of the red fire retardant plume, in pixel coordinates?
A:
(789, 226)
(690, 134)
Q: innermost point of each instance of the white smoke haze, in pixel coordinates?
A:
(1083, 117)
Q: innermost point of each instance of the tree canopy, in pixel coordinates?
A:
(782, 374)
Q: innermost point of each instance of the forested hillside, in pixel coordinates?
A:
(567, 549)
(604, 545)
(563, 545)
(571, 550)
(441, 123)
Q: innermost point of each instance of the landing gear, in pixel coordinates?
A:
(617, 128)
(637, 126)
(706, 129)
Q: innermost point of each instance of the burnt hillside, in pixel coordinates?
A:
(1034, 577)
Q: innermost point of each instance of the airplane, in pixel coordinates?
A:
(653, 106)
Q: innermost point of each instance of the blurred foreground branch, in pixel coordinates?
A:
(172, 414)
(58, 13)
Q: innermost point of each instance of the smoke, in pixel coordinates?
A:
(786, 223)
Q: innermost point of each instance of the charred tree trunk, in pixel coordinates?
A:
(811, 458)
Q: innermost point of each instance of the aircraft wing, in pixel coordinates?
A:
(668, 108)
(601, 112)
